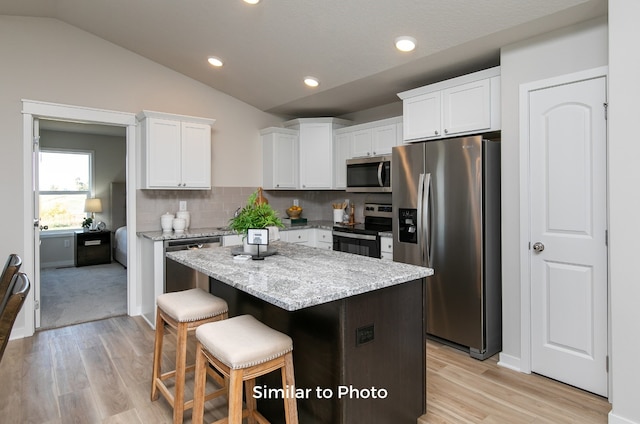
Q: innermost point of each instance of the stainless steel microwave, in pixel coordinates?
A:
(369, 175)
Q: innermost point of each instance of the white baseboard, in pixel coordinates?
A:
(615, 419)
(57, 264)
(509, 361)
(17, 333)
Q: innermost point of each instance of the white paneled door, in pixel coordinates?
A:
(568, 233)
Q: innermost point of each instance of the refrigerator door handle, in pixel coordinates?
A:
(426, 213)
(420, 223)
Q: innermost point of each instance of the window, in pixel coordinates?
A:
(65, 183)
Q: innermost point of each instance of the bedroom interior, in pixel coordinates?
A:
(71, 294)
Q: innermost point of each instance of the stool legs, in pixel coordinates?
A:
(236, 378)
(252, 404)
(177, 399)
(288, 380)
(157, 355)
(235, 397)
(200, 381)
(181, 359)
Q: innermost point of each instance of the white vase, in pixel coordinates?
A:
(166, 221)
(274, 233)
(251, 249)
(186, 216)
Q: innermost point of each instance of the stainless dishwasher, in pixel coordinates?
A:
(180, 277)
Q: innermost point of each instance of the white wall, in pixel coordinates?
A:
(624, 175)
(568, 50)
(47, 60)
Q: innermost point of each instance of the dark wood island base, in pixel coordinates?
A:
(360, 359)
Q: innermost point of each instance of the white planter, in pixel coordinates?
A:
(251, 249)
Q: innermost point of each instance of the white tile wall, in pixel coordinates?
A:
(214, 208)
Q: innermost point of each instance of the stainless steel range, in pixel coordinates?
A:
(364, 238)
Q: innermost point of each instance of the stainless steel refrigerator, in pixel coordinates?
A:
(446, 205)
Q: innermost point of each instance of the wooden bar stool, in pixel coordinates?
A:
(183, 311)
(242, 348)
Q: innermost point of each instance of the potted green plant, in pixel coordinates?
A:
(257, 213)
(86, 223)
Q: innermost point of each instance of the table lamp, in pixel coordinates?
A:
(93, 205)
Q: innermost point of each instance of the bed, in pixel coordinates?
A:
(119, 222)
(120, 246)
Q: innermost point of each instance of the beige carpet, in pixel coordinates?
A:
(74, 295)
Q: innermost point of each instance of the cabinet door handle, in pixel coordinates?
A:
(436, 132)
(446, 131)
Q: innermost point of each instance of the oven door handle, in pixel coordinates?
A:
(354, 235)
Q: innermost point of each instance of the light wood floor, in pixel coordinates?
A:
(99, 372)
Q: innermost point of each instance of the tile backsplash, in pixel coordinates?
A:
(213, 208)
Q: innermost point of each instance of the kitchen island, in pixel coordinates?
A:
(357, 325)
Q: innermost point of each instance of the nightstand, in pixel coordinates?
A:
(93, 247)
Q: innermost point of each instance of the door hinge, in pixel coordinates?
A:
(606, 109)
(606, 238)
(36, 306)
(607, 363)
(36, 140)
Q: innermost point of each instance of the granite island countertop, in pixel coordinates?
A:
(298, 277)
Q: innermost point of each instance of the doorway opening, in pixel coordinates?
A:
(33, 112)
(81, 177)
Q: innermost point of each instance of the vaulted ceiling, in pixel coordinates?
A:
(270, 47)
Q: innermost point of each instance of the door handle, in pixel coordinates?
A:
(538, 247)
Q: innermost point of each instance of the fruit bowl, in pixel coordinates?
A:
(294, 211)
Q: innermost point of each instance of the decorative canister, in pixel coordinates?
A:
(186, 216)
(179, 225)
(166, 221)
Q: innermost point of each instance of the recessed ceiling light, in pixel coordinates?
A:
(405, 43)
(311, 81)
(252, 1)
(215, 61)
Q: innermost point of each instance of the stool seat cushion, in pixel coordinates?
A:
(243, 341)
(191, 305)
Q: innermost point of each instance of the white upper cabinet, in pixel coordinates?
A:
(373, 138)
(464, 105)
(362, 143)
(384, 138)
(176, 151)
(316, 153)
(341, 152)
(422, 116)
(279, 158)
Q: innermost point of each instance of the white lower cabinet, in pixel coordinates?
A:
(232, 240)
(386, 248)
(298, 236)
(324, 239)
(314, 237)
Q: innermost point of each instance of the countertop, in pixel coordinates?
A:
(298, 277)
(223, 231)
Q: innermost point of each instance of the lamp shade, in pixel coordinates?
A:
(93, 205)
